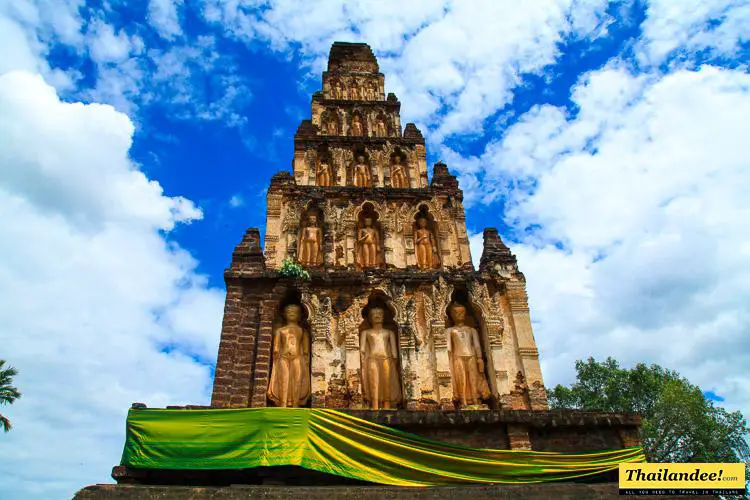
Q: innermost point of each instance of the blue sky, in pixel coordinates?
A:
(606, 141)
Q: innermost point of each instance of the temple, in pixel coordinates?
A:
(360, 214)
(363, 342)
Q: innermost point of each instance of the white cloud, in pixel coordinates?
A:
(476, 246)
(199, 82)
(646, 190)
(91, 290)
(25, 30)
(690, 26)
(23, 56)
(191, 78)
(164, 16)
(106, 46)
(459, 59)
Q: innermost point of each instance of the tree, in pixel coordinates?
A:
(679, 423)
(8, 393)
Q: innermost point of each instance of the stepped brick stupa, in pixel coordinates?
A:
(364, 299)
(360, 215)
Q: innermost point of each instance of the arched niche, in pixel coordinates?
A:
(360, 172)
(355, 88)
(373, 92)
(474, 320)
(369, 238)
(461, 296)
(290, 354)
(357, 124)
(380, 355)
(382, 126)
(426, 241)
(330, 122)
(310, 239)
(399, 169)
(337, 89)
(325, 173)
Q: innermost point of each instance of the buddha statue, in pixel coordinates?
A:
(368, 244)
(290, 374)
(325, 175)
(465, 354)
(336, 90)
(311, 242)
(332, 127)
(362, 177)
(398, 173)
(424, 241)
(378, 349)
(357, 129)
(380, 128)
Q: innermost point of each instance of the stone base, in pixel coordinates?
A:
(538, 430)
(558, 491)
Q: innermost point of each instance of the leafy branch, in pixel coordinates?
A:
(292, 269)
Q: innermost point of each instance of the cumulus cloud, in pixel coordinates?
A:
(108, 46)
(197, 81)
(690, 27)
(99, 308)
(640, 203)
(164, 16)
(26, 30)
(123, 66)
(452, 63)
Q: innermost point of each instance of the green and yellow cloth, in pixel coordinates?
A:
(336, 443)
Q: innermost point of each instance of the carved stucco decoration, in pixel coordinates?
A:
(363, 66)
(405, 316)
(432, 208)
(353, 211)
(444, 227)
(294, 210)
(347, 327)
(311, 160)
(435, 311)
(491, 311)
(397, 218)
(320, 312)
(274, 205)
(341, 158)
(505, 270)
(334, 217)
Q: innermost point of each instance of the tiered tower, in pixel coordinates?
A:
(361, 217)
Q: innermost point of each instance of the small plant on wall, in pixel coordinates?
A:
(291, 269)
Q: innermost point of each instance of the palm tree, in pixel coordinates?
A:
(8, 393)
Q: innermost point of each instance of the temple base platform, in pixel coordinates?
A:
(533, 430)
(537, 430)
(558, 491)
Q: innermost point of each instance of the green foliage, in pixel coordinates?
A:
(8, 393)
(679, 423)
(291, 269)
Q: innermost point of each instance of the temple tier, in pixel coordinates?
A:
(395, 314)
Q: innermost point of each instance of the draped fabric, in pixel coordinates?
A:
(333, 442)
